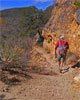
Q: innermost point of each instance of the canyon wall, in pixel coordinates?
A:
(64, 20)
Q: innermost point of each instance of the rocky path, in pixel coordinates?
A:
(55, 86)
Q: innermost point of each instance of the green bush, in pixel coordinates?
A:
(47, 49)
(77, 4)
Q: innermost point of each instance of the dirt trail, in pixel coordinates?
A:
(55, 86)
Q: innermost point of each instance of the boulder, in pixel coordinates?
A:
(77, 78)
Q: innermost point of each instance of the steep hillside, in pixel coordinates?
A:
(49, 10)
(16, 24)
(65, 19)
(13, 18)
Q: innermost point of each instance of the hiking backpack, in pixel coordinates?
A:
(62, 47)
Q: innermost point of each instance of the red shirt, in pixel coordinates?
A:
(62, 43)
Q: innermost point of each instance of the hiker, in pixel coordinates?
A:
(61, 47)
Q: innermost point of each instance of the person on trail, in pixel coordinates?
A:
(61, 47)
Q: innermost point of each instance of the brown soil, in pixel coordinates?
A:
(43, 82)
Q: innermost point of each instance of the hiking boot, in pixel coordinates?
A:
(60, 69)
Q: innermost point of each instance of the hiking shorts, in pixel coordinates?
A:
(61, 57)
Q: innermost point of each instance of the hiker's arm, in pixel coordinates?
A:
(56, 46)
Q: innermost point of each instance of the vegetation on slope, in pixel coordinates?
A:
(33, 21)
(77, 4)
(21, 23)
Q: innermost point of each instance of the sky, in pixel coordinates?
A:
(40, 4)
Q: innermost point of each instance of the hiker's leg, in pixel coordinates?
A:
(59, 58)
(62, 63)
(64, 60)
(59, 63)
(60, 67)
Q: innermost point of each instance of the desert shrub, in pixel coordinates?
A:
(77, 4)
(47, 50)
(15, 52)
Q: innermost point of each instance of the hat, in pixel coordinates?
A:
(62, 37)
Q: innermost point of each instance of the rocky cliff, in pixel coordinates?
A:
(64, 20)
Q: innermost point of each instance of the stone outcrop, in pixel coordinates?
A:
(64, 20)
(78, 16)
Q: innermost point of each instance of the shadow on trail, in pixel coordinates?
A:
(19, 72)
(2, 97)
(10, 81)
(77, 65)
(42, 71)
(65, 70)
(13, 76)
(48, 73)
(51, 73)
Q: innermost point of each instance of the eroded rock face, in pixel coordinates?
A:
(63, 22)
(78, 16)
